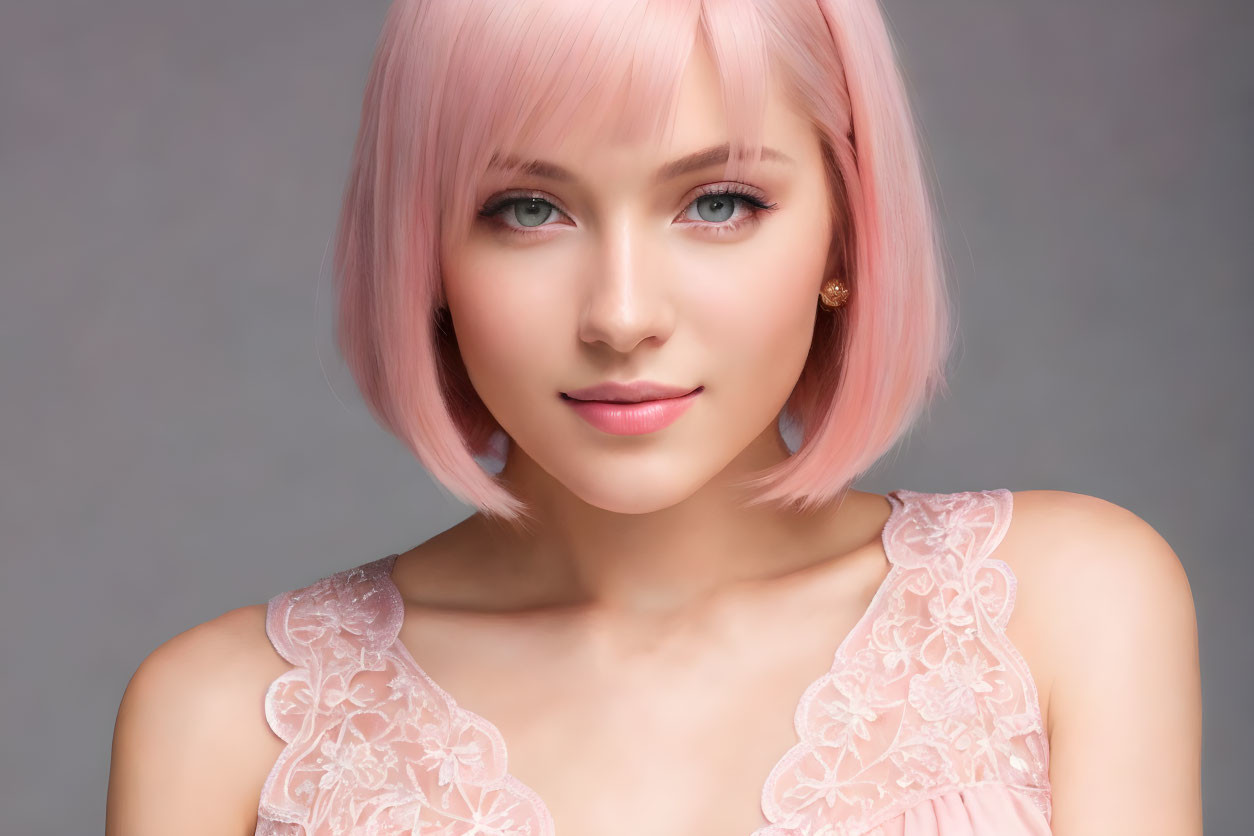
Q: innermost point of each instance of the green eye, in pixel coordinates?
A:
(716, 211)
(532, 211)
(528, 211)
(720, 206)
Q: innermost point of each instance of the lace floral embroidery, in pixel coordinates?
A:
(373, 747)
(925, 695)
(930, 696)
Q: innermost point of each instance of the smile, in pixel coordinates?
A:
(633, 418)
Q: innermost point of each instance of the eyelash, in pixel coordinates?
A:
(757, 205)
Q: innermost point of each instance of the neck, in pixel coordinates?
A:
(696, 549)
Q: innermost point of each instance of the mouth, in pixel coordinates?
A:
(567, 397)
(636, 391)
(627, 417)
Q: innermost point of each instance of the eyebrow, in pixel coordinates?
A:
(695, 161)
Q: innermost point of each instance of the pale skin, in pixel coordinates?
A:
(643, 649)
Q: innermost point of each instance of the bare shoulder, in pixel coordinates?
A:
(1090, 547)
(1095, 560)
(191, 747)
(1109, 614)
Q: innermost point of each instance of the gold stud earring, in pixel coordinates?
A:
(833, 295)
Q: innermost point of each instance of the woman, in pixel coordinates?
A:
(615, 242)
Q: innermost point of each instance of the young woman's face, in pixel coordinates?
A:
(612, 275)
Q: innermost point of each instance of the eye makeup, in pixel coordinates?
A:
(752, 203)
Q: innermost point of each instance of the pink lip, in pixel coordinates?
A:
(634, 391)
(633, 418)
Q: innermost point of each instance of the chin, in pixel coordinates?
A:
(638, 490)
(619, 503)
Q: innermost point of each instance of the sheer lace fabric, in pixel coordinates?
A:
(928, 721)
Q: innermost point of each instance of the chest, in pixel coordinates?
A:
(676, 734)
(689, 748)
(749, 725)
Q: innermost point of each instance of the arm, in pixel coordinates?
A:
(1126, 705)
(191, 748)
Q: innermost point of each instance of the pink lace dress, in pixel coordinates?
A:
(927, 724)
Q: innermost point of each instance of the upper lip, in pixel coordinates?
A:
(633, 392)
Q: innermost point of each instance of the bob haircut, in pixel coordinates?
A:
(453, 83)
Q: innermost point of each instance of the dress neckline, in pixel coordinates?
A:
(897, 499)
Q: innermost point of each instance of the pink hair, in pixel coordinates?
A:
(454, 81)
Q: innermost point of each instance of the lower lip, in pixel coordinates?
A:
(633, 418)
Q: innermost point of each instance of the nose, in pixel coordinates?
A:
(627, 299)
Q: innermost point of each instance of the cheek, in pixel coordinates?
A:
(507, 326)
(764, 328)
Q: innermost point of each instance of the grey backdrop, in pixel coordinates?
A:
(180, 439)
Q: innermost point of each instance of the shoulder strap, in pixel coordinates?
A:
(333, 631)
(351, 610)
(961, 529)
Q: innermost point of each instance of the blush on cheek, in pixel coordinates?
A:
(764, 331)
(511, 346)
